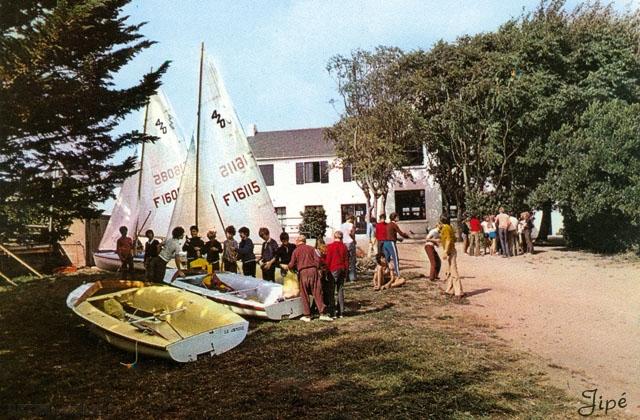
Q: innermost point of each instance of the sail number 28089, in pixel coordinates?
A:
(164, 176)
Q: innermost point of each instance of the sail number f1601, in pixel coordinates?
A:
(243, 192)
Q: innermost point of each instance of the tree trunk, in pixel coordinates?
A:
(459, 217)
(545, 223)
(384, 202)
(368, 206)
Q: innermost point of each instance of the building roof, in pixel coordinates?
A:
(307, 142)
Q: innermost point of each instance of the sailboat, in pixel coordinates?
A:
(156, 320)
(222, 185)
(147, 198)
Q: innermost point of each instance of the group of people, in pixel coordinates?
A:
(502, 234)
(322, 271)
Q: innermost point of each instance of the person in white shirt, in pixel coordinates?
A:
(170, 249)
(490, 233)
(349, 239)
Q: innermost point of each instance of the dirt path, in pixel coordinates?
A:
(578, 311)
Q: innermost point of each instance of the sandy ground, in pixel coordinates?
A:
(578, 311)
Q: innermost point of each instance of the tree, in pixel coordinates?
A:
(596, 180)
(492, 103)
(377, 127)
(60, 108)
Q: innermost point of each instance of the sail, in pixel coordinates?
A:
(147, 198)
(229, 177)
(184, 213)
(163, 165)
(124, 213)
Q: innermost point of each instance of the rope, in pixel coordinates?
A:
(135, 362)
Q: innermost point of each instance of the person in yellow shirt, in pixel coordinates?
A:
(448, 243)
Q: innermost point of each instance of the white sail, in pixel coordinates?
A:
(164, 163)
(124, 213)
(147, 199)
(184, 213)
(229, 176)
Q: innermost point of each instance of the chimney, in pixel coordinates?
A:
(253, 130)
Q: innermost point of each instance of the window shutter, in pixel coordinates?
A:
(346, 173)
(299, 173)
(324, 172)
(267, 174)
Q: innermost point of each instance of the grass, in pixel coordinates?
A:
(400, 353)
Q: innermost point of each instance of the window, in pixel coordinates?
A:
(414, 156)
(347, 173)
(267, 174)
(410, 205)
(359, 211)
(313, 208)
(309, 172)
(281, 212)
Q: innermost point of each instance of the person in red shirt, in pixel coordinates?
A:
(381, 231)
(337, 261)
(475, 236)
(124, 249)
(306, 261)
(389, 247)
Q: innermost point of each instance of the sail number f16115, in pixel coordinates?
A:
(243, 192)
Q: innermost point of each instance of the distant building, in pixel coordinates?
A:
(299, 169)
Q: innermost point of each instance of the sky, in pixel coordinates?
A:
(272, 55)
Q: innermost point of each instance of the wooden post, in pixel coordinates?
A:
(15, 257)
(7, 279)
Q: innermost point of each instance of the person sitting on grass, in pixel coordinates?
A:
(381, 272)
(384, 269)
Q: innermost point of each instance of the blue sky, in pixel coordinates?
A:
(273, 54)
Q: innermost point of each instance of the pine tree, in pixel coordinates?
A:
(59, 108)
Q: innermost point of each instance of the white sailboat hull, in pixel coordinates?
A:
(108, 260)
(215, 339)
(250, 296)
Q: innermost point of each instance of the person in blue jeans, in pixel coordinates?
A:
(503, 222)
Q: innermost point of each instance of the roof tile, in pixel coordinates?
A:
(307, 142)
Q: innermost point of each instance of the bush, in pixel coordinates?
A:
(314, 222)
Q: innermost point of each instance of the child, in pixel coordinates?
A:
(212, 249)
(124, 249)
(382, 269)
(245, 250)
(230, 251)
(151, 248)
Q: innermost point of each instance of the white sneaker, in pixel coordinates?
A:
(325, 318)
(305, 319)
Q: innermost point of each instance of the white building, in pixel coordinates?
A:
(299, 169)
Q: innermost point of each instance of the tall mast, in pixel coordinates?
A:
(144, 132)
(198, 129)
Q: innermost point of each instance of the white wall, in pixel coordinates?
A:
(286, 193)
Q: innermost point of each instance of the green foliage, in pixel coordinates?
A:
(378, 127)
(59, 108)
(597, 177)
(497, 107)
(314, 222)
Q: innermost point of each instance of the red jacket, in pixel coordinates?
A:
(337, 256)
